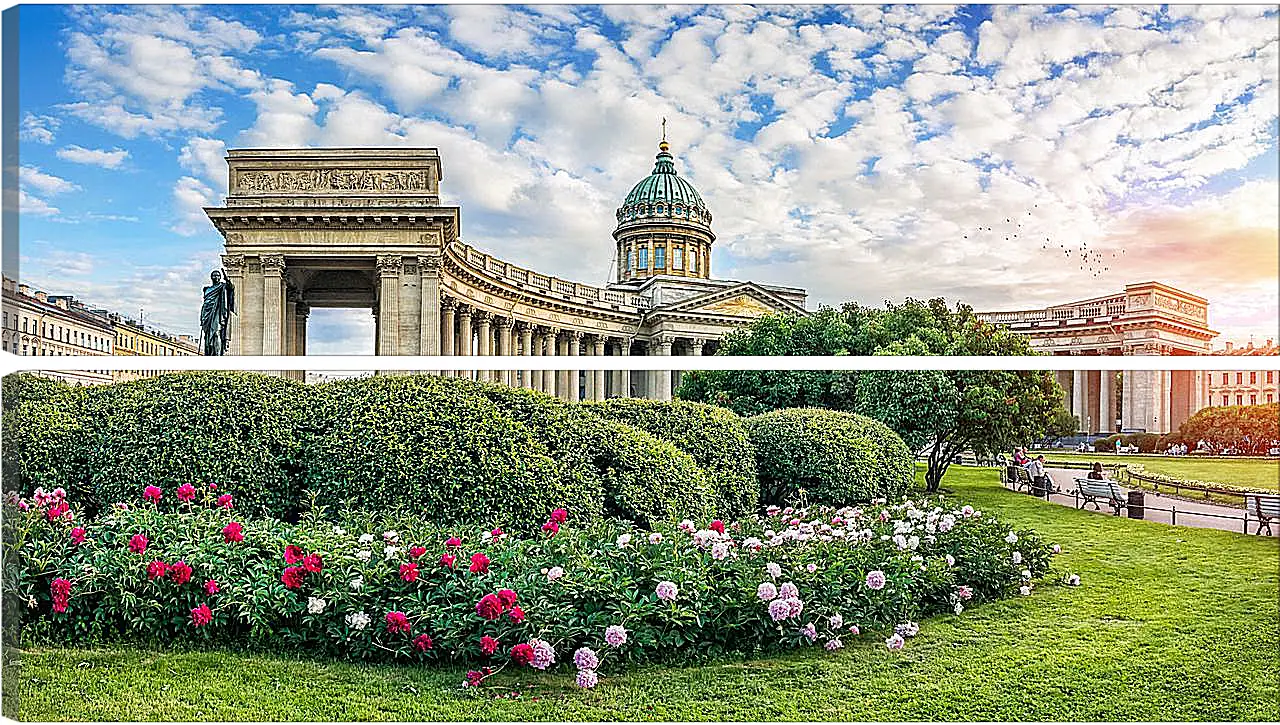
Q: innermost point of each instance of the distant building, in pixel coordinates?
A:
(36, 323)
(1248, 387)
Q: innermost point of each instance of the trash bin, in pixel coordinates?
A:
(1011, 474)
(1040, 486)
(1137, 505)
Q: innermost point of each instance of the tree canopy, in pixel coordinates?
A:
(938, 413)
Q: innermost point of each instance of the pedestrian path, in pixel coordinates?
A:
(1164, 509)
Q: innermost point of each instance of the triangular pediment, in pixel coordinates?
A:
(746, 300)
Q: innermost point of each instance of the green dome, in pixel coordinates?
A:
(664, 195)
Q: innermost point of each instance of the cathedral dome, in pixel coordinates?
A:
(664, 196)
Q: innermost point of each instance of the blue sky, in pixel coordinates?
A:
(863, 153)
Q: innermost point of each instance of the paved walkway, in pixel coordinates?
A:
(1162, 508)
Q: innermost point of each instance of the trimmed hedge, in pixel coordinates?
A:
(834, 457)
(715, 437)
(434, 448)
(106, 443)
(44, 437)
(640, 476)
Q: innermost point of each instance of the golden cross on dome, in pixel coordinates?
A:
(664, 128)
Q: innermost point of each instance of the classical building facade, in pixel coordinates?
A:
(1248, 387)
(364, 228)
(36, 323)
(1147, 318)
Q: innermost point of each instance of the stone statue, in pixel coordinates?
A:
(215, 314)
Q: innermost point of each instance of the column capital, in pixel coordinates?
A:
(464, 311)
(663, 340)
(697, 344)
(272, 263)
(233, 263)
(429, 263)
(576, 335)
(390, 264)
(448, 304)
(525, 328)
(304, 309)
(504, 323)
(482, 316)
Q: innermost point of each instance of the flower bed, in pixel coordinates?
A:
(182, 564)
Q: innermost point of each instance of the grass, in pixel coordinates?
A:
(1252, 473)
(1170, 624)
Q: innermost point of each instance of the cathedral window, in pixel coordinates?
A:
(644, 258)
(677, 258)
(660, 257)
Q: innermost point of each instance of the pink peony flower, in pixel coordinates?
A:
(833, 644)
(876, 580)
(186, 492)
(586, 659)
(179, 572)
(490, 607)
(138, 543)
(655, 538)
(479, 563)
(397, 622)
(409, 572)
(312, 563)
(423, 642)
(200, 616)
(895, 642)
(717, 526)
(61, 591)
(157, 569)
(224, 501)
(810, 631)
(853, 629)
(522, 654)
(453, 542)
(507, 596)
(233, 533)
(516, 615)
(767, 592)
(211, 587)
(293, 554)
(811, 568)
(293, 577)
(587, 679)
(551, 527)
(417, 551)
(788, 591)
(488, 645)
(543, 654)
(77, 535)
(554, 573)
(448, 560)
(151, 493)
(964, 592)
(560, 516)
(666, 591)
(615, 635)
(779, 610)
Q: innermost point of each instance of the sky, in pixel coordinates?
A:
(1010, 157)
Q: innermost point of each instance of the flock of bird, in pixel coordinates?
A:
(1092, 261)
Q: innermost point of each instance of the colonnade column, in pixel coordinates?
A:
(272, 304)
(429, 337)
(526, 345)
(233, 265)
(549, 376)
(571, 376)
(504, 348)
(598, 351)
(484, 340)
(664, 376)
(448, 335)
(464, 337)
(301, 313)
(623, 388)
(1079, 396)
(1106, 414)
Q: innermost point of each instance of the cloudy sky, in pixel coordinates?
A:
(1010, 157)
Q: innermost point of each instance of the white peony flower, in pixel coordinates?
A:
(366, 538)
(339, 531)
(391, 537)
(1012, 538)
(390, 553)
(315, 605)
(364, 555)
(624, 541)
(357, 620)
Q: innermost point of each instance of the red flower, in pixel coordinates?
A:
(151, 493)
(717, 526)
(225, 500)
(213, 487)
(293, 577)
(312, 563)
(138, 544)
(479, 563)
(516, 614)
(186, 492)
(292, 554)
(409, 572)
(397, 622)
(61, 591)
(522, 654)
(56, 511)
(77, 535)
(496, 533)
(211, 587)
(157, 569)
(232, 533)
(488, 645)
(474, 678)
(551, 527)
(417, 551)
(490, 607)
(507, 596)
(453, 542)
(423, 642)
(448, 560)
(560, 516)
(179, 572)
(201, 616)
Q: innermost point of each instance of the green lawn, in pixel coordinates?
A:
(1253, 473)
(1170, 624)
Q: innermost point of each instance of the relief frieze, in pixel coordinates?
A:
(312, 180)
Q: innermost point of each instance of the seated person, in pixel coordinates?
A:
(1035, 467)
(1020, 457)
(1096, 474)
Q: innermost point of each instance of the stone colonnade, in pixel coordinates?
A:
(466, 332)
(1156, 401)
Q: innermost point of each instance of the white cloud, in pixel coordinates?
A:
(28, 204)
(204, 157)
(190, 196)
(32, 177)
(94, 157)
(39, 129)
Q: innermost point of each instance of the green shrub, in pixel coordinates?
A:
(834, 457)
(715, 437)
(638, 476)
(237, 430)
(19, 388)
(45, 437)
(434, 448)
(1106, 445)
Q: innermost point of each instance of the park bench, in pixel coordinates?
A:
(1021, 480)
(1266, 508)
(1092, 491)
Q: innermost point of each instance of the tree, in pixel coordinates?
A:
(938, 413)
(1061, 424)
(1250, 429)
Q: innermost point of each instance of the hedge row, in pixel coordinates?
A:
(447, 449)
